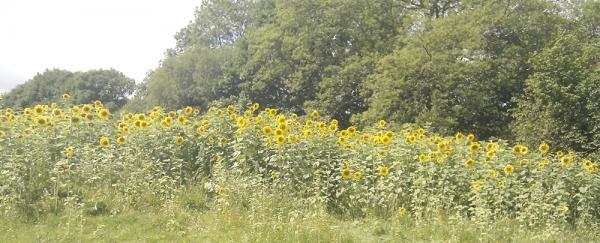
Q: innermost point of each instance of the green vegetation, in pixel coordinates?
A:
(388, 120)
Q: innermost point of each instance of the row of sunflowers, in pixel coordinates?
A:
(63, 155)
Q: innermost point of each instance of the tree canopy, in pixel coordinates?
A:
(109, 86)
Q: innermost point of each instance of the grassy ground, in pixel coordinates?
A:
(240, 226)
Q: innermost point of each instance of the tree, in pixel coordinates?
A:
(560, 104)
(461, 72)
(109, 86)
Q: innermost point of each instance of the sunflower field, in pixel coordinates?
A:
(84, 160)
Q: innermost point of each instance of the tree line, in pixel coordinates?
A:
(525, 70)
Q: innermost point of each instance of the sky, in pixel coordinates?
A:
(130, 36)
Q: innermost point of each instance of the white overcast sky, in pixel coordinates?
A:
(77, 35)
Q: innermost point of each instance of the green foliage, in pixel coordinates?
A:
(109, 86)
(561, 99)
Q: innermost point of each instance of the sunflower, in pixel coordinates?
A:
(470, 162)
(333, 127)
(279, 132)
(56, 112)
(381, 123)
(104, 141)
(314, 114)
(307, 133)
(508, 169)
(179, 140)
(42, 120)
(385, 140)
(493, 173)
(280, 139)
(282, 126)
(103, 113)
(98, 104)
(267, 130)
(411, 139)
(543, 148)
(520, 149)
(566, 160)
(86, 108)
(69, 151)
(357, 175)
(121, 140)
(423, 157)
(383, 170)
(592, 168)
(471, 137)
(242, 122)
(351, 130)
(402, 211)
(346, 173)
(474, 147)
(75, 119)
(66, 96)
(188, 110)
